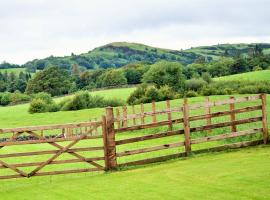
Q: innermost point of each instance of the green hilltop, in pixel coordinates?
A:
(118, 54)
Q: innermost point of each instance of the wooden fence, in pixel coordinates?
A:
(121, 135)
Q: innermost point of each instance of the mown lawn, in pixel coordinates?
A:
(240, 174)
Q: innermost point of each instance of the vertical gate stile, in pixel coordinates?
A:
(111, 146)
(233, 118)
(105, 144)
(264, 119)
(186, 127)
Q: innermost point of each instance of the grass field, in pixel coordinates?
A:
(16, 70)
(241, 174)
(236, 175)
(263, 75)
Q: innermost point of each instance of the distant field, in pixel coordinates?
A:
(263, 75)
(12, 116)
(16, 70)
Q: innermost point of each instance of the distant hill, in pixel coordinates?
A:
(119, 54)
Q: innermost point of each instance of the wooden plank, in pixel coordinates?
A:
(225, 102)
(264, 119)
(142, 114)
(183, 154)
(61, 151)
(233, 117)
(224, 113)
(125, 121)
(226, 136)
(168, 103)
(50, 127)
(15, 169)
(10, 155)
(53, 162)
(153, 160)
(154, 117)
(105, 142)
(68, 171)
(229, 146)
(111, 147)
(186, 127)
(10, 176)
(225, 124)
(149, 137)
(150, 125)
(192, 118)
(40, 141)
(208, 112)
(118, 118)
(150, 149)
(134, 113)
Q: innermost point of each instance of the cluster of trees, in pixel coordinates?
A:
(167, 80)
(10, 82)
(229, 65)
(43, 102)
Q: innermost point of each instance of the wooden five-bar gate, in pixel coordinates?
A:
(121, 139)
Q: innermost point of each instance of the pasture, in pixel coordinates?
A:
(263, 75)
(152, 182)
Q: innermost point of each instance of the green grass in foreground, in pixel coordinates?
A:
(263, 75)
(241, 174)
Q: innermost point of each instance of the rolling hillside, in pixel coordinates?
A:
(119, 54)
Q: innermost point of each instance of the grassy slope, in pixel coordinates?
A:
(257, 75)
(238, 174)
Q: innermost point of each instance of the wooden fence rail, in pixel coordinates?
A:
(105, 142)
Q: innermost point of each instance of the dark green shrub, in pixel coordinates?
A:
(18, 97)
(53, 107)
(166, 93)
(113, 102)
(38, 106)
(153, 93)
(47, 98)
(195, 84)
(5, 98)
(191, 93)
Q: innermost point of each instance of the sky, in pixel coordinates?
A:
(31, 29)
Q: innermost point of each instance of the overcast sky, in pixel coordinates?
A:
(32, 29)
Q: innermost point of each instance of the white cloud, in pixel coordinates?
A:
(39, 28)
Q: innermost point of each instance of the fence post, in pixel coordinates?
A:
(169, 114)
(186, 127)
(264, 119)
(154, 117)
(232, 107)
(125, 121)
(142, 114)
(105, 139)
(118, 118)
(208, 112)
(110, 139)
(134, 113)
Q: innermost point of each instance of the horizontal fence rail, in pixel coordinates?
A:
(134, 135)
(63, 140)
(121, 122)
